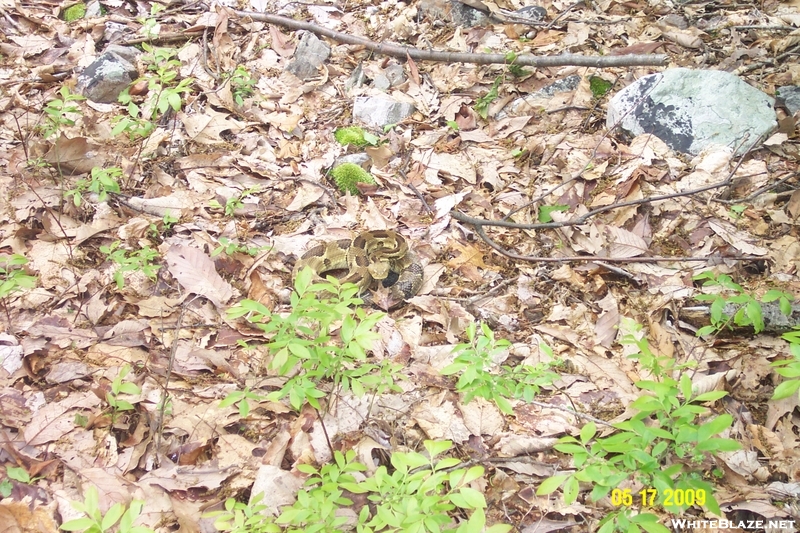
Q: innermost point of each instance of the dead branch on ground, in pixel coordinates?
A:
(403, 52)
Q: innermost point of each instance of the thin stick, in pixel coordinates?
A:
(404, 52)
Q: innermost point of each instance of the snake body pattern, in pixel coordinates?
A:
(371, 257)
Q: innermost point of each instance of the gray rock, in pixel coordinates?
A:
(531, 13)
(381, 82)
(789, 97)
(108, 75)
(311, 53)
(360, 159)
(533, 102)
(692, 109)
(463, 15)
(128, 53)
(378, 111)
(395, 74)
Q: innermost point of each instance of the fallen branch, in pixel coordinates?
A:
(402, 52)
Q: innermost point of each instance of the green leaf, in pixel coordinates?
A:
(710, 396)
(474, 499)
(551, 484)
(18, 474)
(649, 522)
(715, 426)
(571, 490)
(786, 389)
(718, 445)
(435, 448)
(503, 404)
(545, 210)
(79, 524)
(112, 516)
(588, 432)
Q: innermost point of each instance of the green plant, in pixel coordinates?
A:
(164, 93)
(740, 309)
(356, 136)
(13, 278)
(347, 175)
(230, 247)
(788, 368)
(19, 474)
(234, 202)
(483, 103)
(6, 487)
(118, 386)
(95, 521)
(545, 210)
(240, 398)
(661, 447)
(59, 112)
(239, 517)
(736, 211)
(140, 260)
(150, 27)
(102, 182)
(317, 503)
(304, 343)
(480, 375)
(242, 84)
(167, 221)
(417, 496)
(421, 492)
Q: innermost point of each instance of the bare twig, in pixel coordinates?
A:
(583, 258)
(766, 27)
(404, 52)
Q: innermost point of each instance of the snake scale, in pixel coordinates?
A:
(371, 257)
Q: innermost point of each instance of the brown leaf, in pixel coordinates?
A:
(195, 271)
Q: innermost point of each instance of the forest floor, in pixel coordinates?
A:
(156, 359)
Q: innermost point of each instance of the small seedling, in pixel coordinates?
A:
(663, 446)
(167, 222)
(545, 210)
(12, 277)
(229, 247)
(234, 203)
(59, 112)
(118, 386)
(242, 85)
(480, 375)
(164, 93)
(748, 310)
(141, 261)
(241, 400)
(239, 517)
(302, 343)
(483, 103)
(102, 182)
(118, 518)
(151, 28)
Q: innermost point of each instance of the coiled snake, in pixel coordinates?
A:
(371, 256)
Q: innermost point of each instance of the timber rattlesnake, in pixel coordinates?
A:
(371, 256)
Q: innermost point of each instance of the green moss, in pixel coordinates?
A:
(347, 175)
(74, 12)
(355, 136)
(599, 86)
